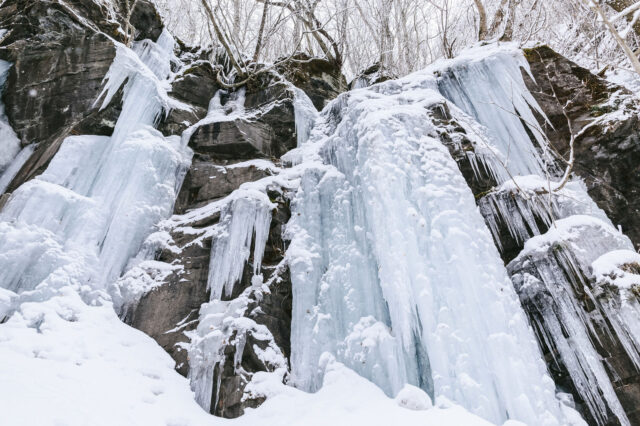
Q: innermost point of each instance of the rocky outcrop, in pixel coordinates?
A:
(320, 79)
(146, 20)
(606, 119)
(237, 143)
(569, 309)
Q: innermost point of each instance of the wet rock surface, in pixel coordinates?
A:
(59, 63)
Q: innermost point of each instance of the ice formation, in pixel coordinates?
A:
(9, 142)
(377, 230)
(490, 88)
(527, 207)
(103, 194)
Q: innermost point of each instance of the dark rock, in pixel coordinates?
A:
(178, 120)
(196, 85)
(168, 311)
(206, 181)
(146, 20)
(237, 139)
(608, 153)
(269, 133)
(320, 79)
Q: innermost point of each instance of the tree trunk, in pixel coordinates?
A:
(507, 35)
(265, 10)
(482, 25)
(619, 6)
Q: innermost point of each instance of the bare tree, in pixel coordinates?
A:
(128, 6)
(609, 24)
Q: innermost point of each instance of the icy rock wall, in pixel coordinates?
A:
(554, 282)
(382, 222)
(89, 212)
(229, 341)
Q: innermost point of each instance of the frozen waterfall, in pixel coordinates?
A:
(393, 269)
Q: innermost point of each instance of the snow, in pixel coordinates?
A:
(609, 268)
(344, 399)
(90, 368)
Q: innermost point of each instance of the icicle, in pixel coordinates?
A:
(7, 176)
(549, 275)
(241, 220)
(523, 203)
(491, 89)
(305, 115)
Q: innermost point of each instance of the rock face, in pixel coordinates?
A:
(321, 80)
(605, 117)
(549, 304)
(61, 52)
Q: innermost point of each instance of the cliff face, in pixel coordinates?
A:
(60, 54)
(380, 215)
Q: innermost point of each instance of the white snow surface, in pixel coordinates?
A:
(609, 268)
